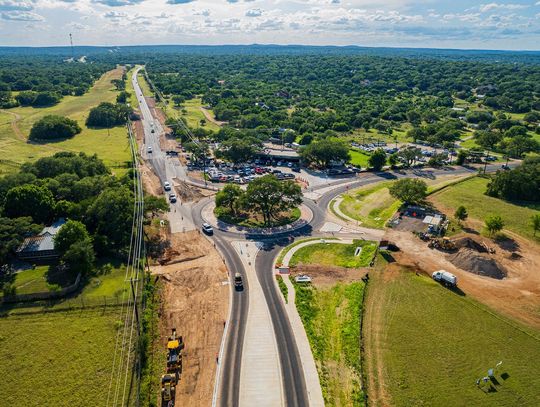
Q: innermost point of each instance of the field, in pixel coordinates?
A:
(111, 146)
(335, 254)
(61, 358)
(427, 345)
(471, 194)
(331, 320)
(371, 205)
(359, 159)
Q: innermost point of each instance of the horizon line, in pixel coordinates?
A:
(275, 45)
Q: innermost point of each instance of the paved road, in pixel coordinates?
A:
(184, 216)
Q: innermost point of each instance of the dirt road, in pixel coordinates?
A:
(195, 303)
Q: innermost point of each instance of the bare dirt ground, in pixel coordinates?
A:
(325, 276)
(517, 295)
(195, 303)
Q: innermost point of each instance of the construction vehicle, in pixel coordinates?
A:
(175, 345)
(445, 278)
(442, 244)
(168, 389)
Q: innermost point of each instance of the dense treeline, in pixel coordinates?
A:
(43, 80)
(519, 184)
(52, 127)
(68, 185)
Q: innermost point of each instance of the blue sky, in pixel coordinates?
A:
(398, 23)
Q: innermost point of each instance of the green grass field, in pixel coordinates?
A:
(57, 359)
(33, 281)
(111, 146)
(359, 159)
(331, 318)
(435, 344)
(470, 193)
(335, 254)
(371, 205)
(194, 115)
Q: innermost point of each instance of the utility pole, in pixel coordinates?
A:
(71, 43)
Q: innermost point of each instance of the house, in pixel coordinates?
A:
(40, 248)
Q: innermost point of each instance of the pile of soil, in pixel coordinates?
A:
(328, 275)
(467, 242)
(187, 193)
(477, 263)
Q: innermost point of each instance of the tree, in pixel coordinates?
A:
(54, 127)
(535, 223)
(110, 217)
(409, 190)
(494, 224)
(45, 99)
(122, 97)
(239, 150)
(461, 157)
(29, 200)
(519, 184)
(409, 155)
(321, 153)
(461, 214)
(377, 159)
(229, 197)
(155, 204)
(487, 139)
(178, 100)
(393, 160)
(71, 232)
(80, 257)
(519, 145)
(12, 234)
(119, 84)
(269, 196)
(108, 115)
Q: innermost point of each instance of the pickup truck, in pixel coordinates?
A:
(445, 278)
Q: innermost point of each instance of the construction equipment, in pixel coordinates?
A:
(175, 345)
(442, 244)
(168, 389)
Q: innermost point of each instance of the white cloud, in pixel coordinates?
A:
(21, 16)
(255, 12)
(484, 8)
(9, 5)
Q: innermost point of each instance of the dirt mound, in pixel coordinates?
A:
(187, 193)
(467, 242)
(474, 262)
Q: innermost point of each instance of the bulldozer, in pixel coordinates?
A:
(175, 345)
(168, 389)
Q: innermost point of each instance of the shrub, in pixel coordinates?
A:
(54, 127)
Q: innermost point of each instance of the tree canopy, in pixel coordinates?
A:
(54, 127)
(409, 190)
(322, 153)
(108, 115)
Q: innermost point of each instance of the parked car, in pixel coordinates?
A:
(290, 164)
(206, 228)
(302, 278)
(166, 186)
(238, 283)
(172, 198)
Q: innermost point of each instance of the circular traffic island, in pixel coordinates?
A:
(250, 219)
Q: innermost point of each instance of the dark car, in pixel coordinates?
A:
(238, 283)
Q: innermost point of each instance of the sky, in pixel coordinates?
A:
(396, 23)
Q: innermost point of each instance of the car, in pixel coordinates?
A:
(290, 164)
(172, 198)
(166, 186)
(238, 283)
(152, 131)
(296, 169)
(149, 149)
(275, 172)
(279, 163)
(206, 228)
(302, 278)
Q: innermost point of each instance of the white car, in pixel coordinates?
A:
(209, 230)
(166, 186)
(149, 149)
(302, 278)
